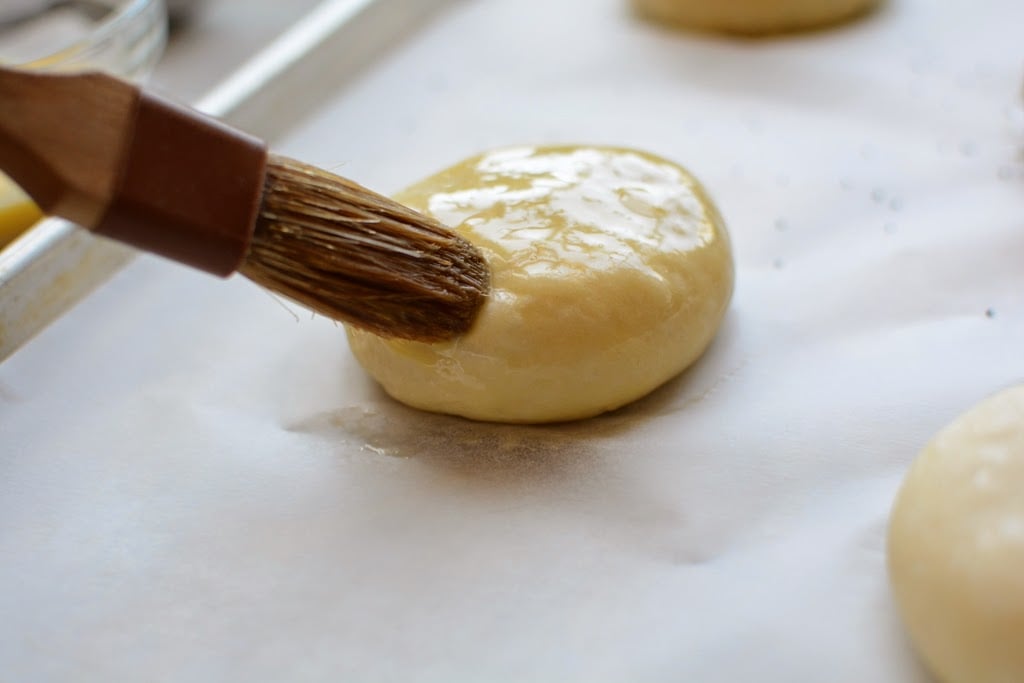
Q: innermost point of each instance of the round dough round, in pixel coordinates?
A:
(752, 16)
(610, 273)
(956, 546)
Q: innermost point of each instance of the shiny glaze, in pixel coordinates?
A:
(561, 211)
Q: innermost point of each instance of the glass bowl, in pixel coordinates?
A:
(122, 37)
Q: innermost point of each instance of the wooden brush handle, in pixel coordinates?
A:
(102, 153)
(66, 159)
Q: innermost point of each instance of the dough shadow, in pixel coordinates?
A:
(915, 666)
(513, 453)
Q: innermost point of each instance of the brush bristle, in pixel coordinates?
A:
(356, 256)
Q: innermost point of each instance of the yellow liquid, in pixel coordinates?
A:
(17, 212)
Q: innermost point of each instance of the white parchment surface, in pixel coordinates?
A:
(196, 486)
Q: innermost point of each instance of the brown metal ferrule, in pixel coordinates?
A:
(189, 188)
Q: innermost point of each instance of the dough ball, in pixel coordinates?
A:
(610, 273)
(956, 546)
(752, 17)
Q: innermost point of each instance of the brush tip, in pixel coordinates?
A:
(353, 255)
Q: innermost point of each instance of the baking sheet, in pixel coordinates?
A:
(196, 485)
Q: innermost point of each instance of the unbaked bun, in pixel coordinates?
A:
(956, 546)
(610, 273)
(752, 17)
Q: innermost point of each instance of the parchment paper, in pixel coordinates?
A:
(196, 486)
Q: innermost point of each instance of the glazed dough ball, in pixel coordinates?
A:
(610, 273)
(752, 16)
(956, 546)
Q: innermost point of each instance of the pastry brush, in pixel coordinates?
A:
(131, 166)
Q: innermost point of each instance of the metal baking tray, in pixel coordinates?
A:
(55, 265)
(731, 527)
